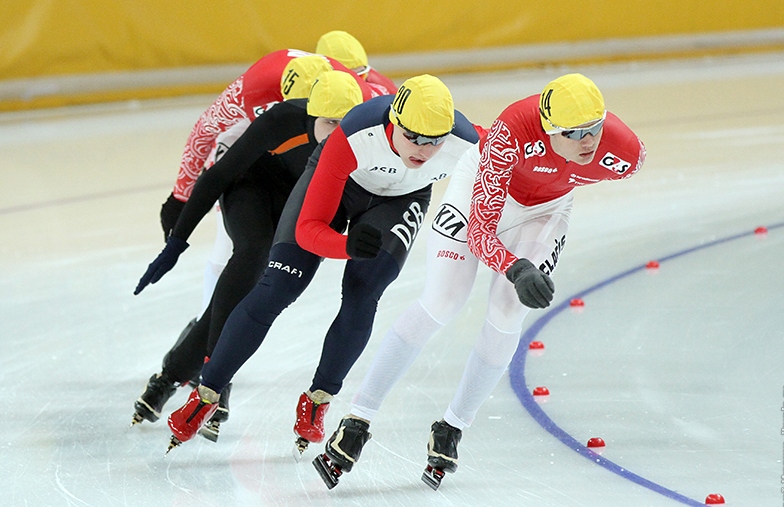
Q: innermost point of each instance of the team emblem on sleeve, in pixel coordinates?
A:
(614, 163)
(535, 149)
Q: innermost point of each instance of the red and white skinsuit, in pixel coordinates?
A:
(226, 119)
(247, 97)
(509, 197)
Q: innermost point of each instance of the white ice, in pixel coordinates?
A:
(680, 370)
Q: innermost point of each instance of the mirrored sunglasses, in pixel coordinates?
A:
(422, 140)
(577, 134)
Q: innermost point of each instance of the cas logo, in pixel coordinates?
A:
(614, 163)
(535, 149)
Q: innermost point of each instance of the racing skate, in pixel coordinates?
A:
(149, 405)
(342, 450)
(159, 388)
(186, 421)
(441, 453)
(211, 430)
(309, 426)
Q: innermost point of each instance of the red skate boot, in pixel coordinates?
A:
(186, 421)
(311, 409)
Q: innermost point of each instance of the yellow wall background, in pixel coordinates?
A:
(40, 38)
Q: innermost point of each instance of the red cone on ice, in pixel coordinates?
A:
(595, 442)
(541, 391)
(535, 349)
(596, 445)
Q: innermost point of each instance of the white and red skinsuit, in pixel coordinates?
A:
(247, 97)
(510, 197)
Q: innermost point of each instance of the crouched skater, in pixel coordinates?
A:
(373, 178)
(502, 209)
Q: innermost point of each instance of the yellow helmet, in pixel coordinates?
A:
(423, 105)
(569, 101)
(343, 47)
(300, 74)
(333, 94)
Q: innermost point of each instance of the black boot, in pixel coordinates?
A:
(150, 404)
(441, 453)
(342, 450)
(442, 447)
(345, 445)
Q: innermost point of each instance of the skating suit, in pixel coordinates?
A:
(510, 197)
(518, 161)
(246, 98)
(253, 179)
(355, 178)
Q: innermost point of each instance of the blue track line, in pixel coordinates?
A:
(517, 376)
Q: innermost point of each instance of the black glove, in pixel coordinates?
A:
(534, 288)
(364, 242)
(170, 212)
(163, 263)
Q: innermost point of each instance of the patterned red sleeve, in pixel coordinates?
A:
(226, 111)
(499, 156)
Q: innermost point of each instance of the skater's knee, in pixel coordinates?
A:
(367, 279)
(257, 314)
(496, 347)
(444, 311)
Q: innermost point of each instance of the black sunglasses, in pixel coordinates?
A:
(420, 140)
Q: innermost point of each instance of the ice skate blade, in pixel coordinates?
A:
(329, 473)
(211, 431)
(174, 442)
(432, 477)
(300, 446)
(137, 419)
(144, 411)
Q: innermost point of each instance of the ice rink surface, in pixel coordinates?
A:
(680, 370)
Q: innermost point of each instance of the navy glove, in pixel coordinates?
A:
(170, 212)
(534, 288)
(163, 263)
(364, 242)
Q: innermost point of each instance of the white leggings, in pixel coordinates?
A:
(536, 233)
(219, 257)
